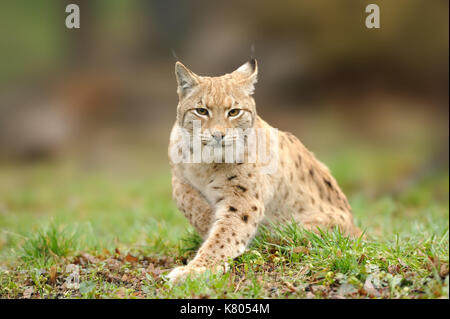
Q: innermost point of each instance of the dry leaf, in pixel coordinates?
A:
(443, 272)
(28, 292)
(290, 286)
(370, 289)
(301, 249)
(53, 273)
(393, 269)
(435, 261)
(154, 271)
(131, 259)
(89, 258)
(113, 264)
(112, 278)
(362, 258)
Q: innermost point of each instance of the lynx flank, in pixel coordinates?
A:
(226, 202)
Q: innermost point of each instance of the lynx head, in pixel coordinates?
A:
(219, 103)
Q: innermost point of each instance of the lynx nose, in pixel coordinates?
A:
(218, 136)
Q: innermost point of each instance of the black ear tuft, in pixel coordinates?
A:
(253, 63)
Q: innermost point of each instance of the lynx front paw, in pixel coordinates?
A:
(181, 273)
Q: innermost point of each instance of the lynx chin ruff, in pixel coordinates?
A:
(226, 202)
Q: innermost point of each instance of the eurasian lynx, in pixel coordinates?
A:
(227, 201)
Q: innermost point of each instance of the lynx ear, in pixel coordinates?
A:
(247, 75)
(186, 79)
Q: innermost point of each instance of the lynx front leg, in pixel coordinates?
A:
(237, 220)
(196, 209)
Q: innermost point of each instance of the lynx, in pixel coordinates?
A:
(227, 201)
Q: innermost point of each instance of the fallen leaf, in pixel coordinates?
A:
(362, 258)
(318, 288)
(70, 268)
(393, 269)
(53, 273)
(113, 264)
(290, 286)
(85, 258)
(131, 259)
(301, 249)
(370, 289)
(112, 278)
(73, 278)
(165, 261)
(443, 272)
(154, 271)
(28, 292)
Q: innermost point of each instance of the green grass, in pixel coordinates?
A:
(123, 233)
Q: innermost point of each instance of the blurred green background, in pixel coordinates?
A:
(85, 114)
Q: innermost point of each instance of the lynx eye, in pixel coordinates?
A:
(201, 111)
(234, 112)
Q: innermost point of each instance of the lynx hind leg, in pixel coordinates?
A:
(194, 207)
(342, 220)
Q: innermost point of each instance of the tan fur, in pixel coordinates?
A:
(227, 202)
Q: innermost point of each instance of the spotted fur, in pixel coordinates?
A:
(227, 202)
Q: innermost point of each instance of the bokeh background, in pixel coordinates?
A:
(100, 100)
